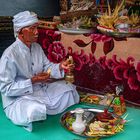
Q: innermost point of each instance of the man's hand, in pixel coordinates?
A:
(66, 65)
(40, 78)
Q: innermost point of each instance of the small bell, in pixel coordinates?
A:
(69, 76)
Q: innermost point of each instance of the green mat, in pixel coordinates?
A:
(51, 129)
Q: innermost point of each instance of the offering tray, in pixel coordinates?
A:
(132, 103)
(95, 98)
(119, 34)
(105, 129)
(76, 31)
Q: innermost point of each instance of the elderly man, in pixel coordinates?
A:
(26, 94)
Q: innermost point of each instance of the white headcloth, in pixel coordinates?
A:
(23, 19)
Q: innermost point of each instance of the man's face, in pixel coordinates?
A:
(30, 33)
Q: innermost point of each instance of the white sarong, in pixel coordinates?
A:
(35, 107)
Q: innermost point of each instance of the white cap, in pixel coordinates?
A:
(24, 19)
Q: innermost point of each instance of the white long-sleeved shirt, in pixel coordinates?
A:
(18, 64)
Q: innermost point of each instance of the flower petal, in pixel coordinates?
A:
(108, 46)
(133, 83)
(106, 38)
(80, 43)
(118, 72)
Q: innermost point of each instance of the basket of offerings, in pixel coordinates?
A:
(77, 16)
(81, 25)
(114, 23)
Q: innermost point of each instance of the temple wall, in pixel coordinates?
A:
(41, 7)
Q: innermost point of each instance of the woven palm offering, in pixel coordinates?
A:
(117, 22)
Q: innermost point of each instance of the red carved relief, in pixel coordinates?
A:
(100, 74)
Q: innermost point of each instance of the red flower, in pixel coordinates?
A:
(42, 35)
(56, 36)
(56, 52)
(52, 35)
(96, 37)
(102, 61)
(49, 35)
(110, 64)
(106, 38)
(122, 62)
(133, 83)
(138, 67)
(84, 57)
(129, 72)
(114, 58)
(108, 42)
(100, 37)
(92, 59)
(118, 72)
(70, 50)
(130, 60)
(77, 61)
(138, 71)
(46, 43)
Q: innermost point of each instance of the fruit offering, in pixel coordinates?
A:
(78, 23)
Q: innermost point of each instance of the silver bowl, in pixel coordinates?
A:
(123, 27)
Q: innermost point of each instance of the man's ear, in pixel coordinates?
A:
(20, 32)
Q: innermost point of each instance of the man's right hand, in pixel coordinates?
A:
(40, 78)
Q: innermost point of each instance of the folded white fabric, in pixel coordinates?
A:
(24, 19)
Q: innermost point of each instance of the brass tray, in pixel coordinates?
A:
(120, 34)
(67, 118)
(131, 103)
(76, 31)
